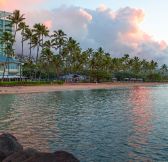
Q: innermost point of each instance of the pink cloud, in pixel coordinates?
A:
(102, 8)
(23, 5)
(118, 32)
(48, 24)
(84, 13)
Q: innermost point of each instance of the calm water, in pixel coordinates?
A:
(121, 124)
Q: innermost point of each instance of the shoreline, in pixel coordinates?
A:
(71, 86)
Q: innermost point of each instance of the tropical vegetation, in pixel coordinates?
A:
(54, 54)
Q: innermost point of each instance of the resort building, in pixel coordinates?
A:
(10, 66)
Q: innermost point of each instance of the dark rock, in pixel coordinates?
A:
(59, 156)
(63, 156)
(20, 156)
(8, 145)
(2, 156)
(12, 151)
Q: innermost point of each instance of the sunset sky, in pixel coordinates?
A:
(129, 26)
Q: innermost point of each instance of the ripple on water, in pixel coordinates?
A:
(121, 124)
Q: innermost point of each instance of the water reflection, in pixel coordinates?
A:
(5, 110)
(31, 121)
(120, 124)
(141, 117)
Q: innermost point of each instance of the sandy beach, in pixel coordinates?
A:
(69, 86)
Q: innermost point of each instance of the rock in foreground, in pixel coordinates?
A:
(12, 151)
(8, 145)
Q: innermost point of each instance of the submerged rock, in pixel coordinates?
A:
(2, 156)
(65, 156)
(31, 155)
(8, 145)
(58, 156)
(21, 156)
(12, 151)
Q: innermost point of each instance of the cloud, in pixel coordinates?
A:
(118, 32)
(48, 24)
(102, 8)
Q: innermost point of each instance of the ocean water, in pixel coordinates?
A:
(120, 124)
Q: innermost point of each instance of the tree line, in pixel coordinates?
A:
(57, 55)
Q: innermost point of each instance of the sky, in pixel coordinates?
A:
(135, 27)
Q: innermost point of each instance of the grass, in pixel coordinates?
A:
(30, 83)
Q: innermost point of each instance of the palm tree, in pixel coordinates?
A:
(7, 41)
(107, 63)
(40, 31)
(16, 18)
(46, 58)
(144, 67)
(59, 40)
(90, 52)
(70, 54)
(164, 69)
(28, 35)
(136, 67)
(126, 62)
(22, 26)
(97, 64)
(35, 44)
(84, 61)
(116, 65)
(58, 64)
(153, 65)
(48, 44)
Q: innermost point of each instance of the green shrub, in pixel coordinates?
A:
(155, 77)
(30, 83)
(122, 75)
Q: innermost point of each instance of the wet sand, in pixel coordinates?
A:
(69, 86)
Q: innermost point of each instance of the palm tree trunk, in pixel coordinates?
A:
(15, 31)
(38, 48)
(42, 42)
(4, 70)
(37, 53)
(20, 72)
(22, 47)
(48, 73)
(8, 69)
(30, 50)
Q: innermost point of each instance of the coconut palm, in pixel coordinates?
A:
(48, 44)
(40, 31)
(70, 54)
(126, 62)
(84, 61)
(28, 35)
(16, 18)
(7, 41)
(46, 58)
(153, 65)
(58, 40)
(107, 62)
(97, 64)
(58, 64)
(116, 65)
(145, 67)
(136, 67)
(22, 26)
(164, 69)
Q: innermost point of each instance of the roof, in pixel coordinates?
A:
(12, 77)
(4, 14)
(10, 60)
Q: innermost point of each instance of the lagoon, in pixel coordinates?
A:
(118, 124)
